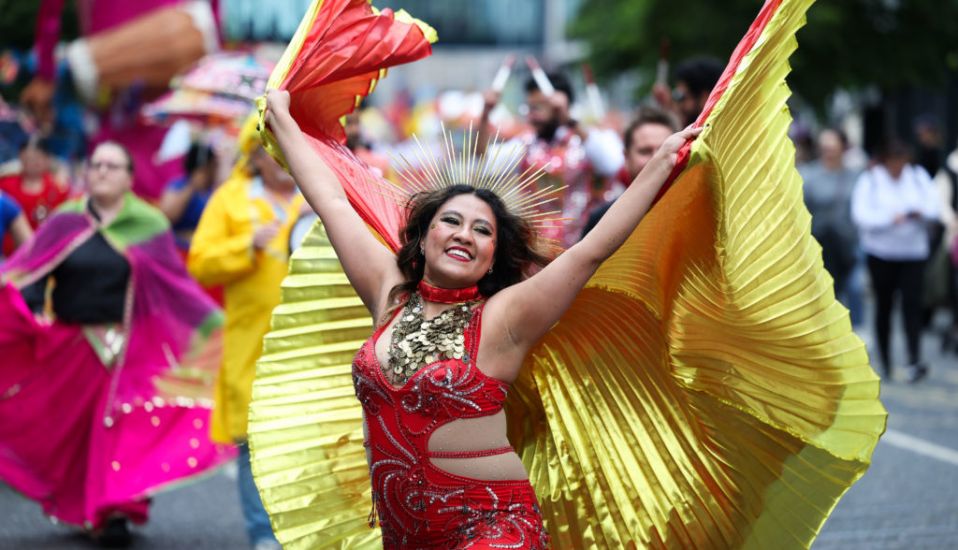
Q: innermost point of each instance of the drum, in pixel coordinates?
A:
(148, 50)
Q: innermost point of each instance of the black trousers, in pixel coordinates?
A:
(904, 279)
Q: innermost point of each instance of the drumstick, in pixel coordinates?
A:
(592, 91)
(542, 81)
(662, 69)
(502, 75)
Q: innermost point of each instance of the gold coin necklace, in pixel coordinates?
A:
(417, 342)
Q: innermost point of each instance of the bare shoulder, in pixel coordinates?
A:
(500, 356)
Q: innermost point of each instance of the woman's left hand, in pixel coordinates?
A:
(668, 152)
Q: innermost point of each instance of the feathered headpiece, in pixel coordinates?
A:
(497, 171)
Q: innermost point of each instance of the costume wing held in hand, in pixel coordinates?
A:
(704, 390)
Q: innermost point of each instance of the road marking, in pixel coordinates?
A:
(920, 446)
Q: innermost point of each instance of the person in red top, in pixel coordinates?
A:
(363, 149)
(34, 187)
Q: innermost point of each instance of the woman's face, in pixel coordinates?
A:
(460, 245)
(895, 165)
(830, 147)
(108, 173)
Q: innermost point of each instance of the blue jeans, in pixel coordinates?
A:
(254, 515)
(853, 295)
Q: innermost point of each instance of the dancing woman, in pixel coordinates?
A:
(703, 388)
(456, 319)
(109, 401)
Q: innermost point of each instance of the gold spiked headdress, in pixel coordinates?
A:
(496, 171)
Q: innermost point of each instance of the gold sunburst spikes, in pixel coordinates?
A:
(497, 171)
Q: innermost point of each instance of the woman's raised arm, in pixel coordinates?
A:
(530, 308)
(369, 265)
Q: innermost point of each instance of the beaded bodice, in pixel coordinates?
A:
(417, 342)
(401, 419)
(437, 393)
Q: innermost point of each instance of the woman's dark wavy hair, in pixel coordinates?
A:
(516, 244)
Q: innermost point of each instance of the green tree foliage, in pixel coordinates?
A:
(848, 43)
(18, 21)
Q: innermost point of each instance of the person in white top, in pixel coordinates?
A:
(947, 183)
(893, 204)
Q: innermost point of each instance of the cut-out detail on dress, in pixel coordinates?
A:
(419, 504)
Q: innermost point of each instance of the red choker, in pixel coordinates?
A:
(447, 295)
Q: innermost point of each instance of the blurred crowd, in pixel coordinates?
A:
(892, 218)
(888, 218)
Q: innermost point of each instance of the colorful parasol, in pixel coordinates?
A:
(221, 88)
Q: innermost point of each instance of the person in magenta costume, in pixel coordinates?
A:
(109, 401)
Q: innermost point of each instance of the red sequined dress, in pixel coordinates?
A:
(419, 505)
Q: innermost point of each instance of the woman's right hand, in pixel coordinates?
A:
(277, 105)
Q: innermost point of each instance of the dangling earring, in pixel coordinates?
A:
(422, 249)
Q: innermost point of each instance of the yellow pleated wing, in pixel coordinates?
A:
(706, 390)
(305, 423)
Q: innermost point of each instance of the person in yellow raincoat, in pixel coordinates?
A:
(242, 243)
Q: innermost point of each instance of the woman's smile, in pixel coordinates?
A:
(459, 253)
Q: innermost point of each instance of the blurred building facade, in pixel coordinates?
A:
(474, 35)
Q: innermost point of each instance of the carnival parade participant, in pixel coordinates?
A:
(184, 198)
(34, 187)
(108, 402)
(641, 140)
(586, 160)
(128, 52)
(459, 275)
(668, 406)
(241, 243)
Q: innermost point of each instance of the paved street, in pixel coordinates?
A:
(908, 498)
(201, 516)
